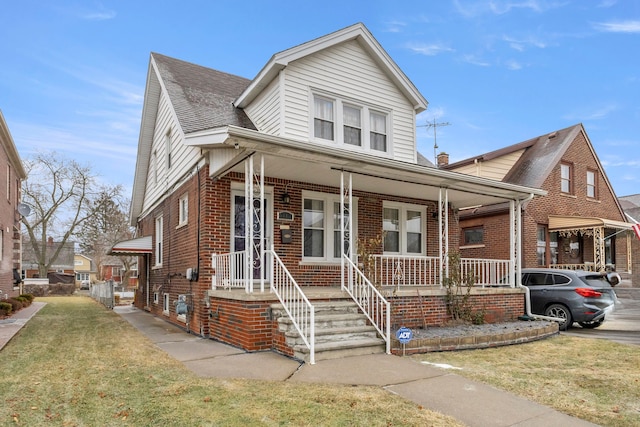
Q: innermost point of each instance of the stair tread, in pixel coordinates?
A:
(341, 345)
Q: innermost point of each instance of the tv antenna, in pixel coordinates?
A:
(435, 125)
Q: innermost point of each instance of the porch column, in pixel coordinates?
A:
(346, 221)
(515, 241)
(443, 227)
(629, 259)
(598, 249)
(254, 223)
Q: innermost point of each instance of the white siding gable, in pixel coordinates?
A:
(346, 72)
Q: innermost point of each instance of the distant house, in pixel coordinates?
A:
(12, 173)
(579, 224)
(302, 187)
(64, 263)
(631, 206)
(85, 269)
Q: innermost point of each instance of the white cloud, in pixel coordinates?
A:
(618, 27)
(521, 44)
(596, 114)
(513, 65)
(395, 26)
(474, 60)
(429, 49)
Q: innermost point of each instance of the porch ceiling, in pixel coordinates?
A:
(292, 160)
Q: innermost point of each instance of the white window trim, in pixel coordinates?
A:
(183, 216)
(329, 200)
(166, 299)
(338, 123)
(159, 243)
(403, 208)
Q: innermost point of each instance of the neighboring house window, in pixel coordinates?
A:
(566, 178)
(592, 184)
(156, 297)
(473, 235)
(322, 227)
(378, 132)
(403, 227)
(9, 182)
(323, 118)
(332, 114)
(82, 276)
(167, 141)
(351, 117)
(159, 237)
(541, 248)
(165, 304)
(184, 210)
(154, 166)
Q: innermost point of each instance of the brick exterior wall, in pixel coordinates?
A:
(537, 211)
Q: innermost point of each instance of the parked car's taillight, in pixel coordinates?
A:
(588, 293)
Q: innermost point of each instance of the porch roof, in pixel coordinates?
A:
(133, 247)
(559, 222)
(294, 160)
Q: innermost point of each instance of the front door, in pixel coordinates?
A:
(238, 209)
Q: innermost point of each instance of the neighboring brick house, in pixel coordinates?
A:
(323, 144)
(12, 173)
(631, 206)
(579, 224)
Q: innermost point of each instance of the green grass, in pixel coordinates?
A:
(78, 364)
(596, 380)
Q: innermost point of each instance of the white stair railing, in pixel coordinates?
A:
(295, 303)
(370, 300)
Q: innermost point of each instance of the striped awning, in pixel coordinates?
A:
(139, 246)
(559, 222)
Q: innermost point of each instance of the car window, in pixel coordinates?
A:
(537, 279)
(560, 279)
(596, 280)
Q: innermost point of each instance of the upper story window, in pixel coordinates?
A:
(592, 187)
(404, 228)
(159, 237)
(167, 141)
(183, 206)
(9, 182)
(566, 178)
(345, 122)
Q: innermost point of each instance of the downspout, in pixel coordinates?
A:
(527, 298)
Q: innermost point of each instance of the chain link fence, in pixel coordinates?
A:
(103, 293)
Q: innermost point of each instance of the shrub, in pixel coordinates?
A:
(25, 302)
(29, 297)
(5, 308)
(16, 305)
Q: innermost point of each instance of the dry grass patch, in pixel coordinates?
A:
(78, 364)
(596, 380)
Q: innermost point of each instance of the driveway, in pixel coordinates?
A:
(623, 325)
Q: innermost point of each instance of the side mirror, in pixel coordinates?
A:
(613, 278)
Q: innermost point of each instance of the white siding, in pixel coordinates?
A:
(182, 156)
(264, 111)
(348, 72)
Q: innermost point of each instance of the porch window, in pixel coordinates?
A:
(403, 227)
(351, 117)
(159, 237)
(473, 236)
(566, 178)
(322, 227)
(542, 245)
(553, 247)
(378, 132)
(323, 118)
(591, 184)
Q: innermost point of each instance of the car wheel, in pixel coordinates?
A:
(591, 325)
(562, 312)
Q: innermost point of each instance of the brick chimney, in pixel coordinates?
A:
(443, 159)
(50, 241)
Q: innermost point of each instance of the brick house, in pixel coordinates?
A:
(579, 224)
(631, 206)
(322, 143)
(12, 172)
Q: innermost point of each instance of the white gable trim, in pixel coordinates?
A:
(355, 32)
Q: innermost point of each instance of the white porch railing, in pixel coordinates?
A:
(399, 270)
(228, 270)
(485, 272)
(295, 303)
(370, 300)
(589, 266)
(403, 271)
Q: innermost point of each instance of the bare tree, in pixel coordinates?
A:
(60, 192)
(106, 226)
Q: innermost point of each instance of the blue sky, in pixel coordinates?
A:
(73, 73)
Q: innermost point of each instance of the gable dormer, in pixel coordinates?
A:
(341, 90)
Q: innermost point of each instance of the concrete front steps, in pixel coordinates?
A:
(341, 331)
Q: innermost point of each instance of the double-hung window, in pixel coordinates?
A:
(592, 185)
(404, 229)
(322, 227)
(351, 124)
(324, 118)
(183, 207)
(566, 178)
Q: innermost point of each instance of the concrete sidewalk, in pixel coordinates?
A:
(473, 403)
(11, 326)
